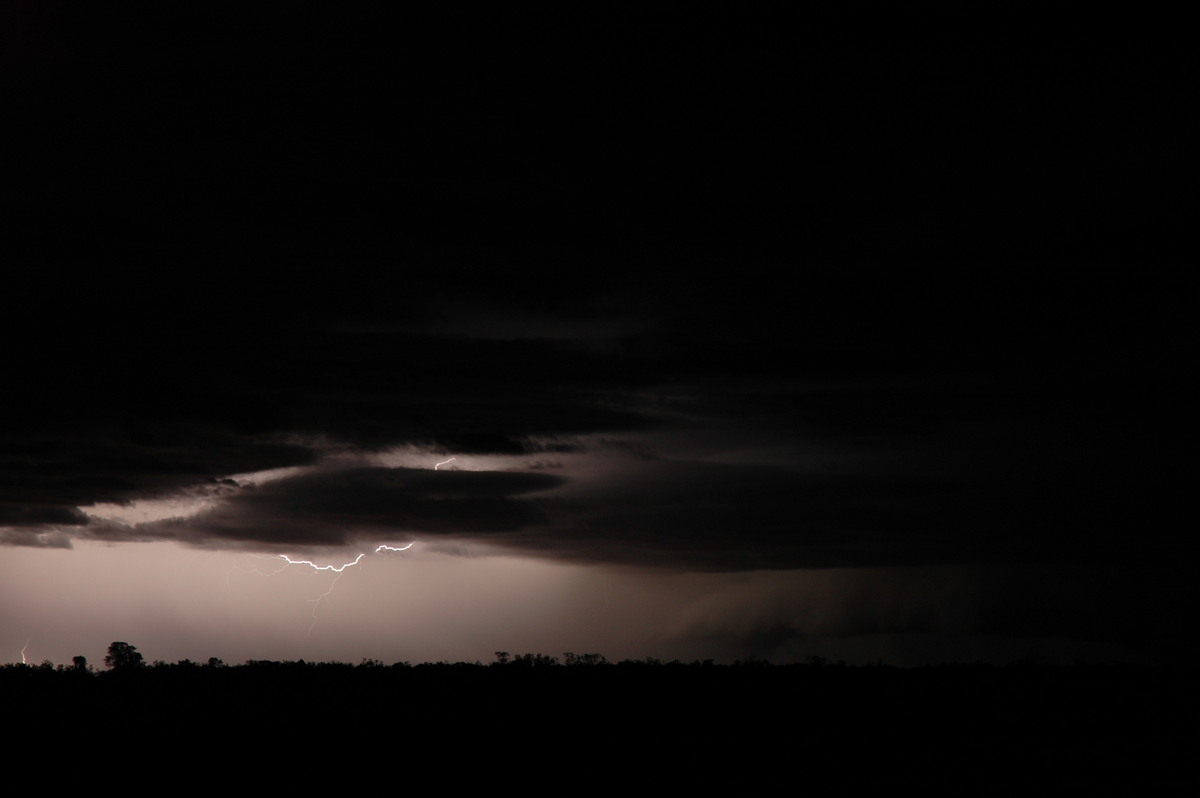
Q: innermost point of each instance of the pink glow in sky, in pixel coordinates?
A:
(179, 603)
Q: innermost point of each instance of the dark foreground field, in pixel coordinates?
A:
(664, 726)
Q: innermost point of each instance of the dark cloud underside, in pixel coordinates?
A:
(898, 287)
(1030, 425)
(357, 505)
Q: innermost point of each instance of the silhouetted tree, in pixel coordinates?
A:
(534, 660)
(122, 656)
(80, 662)
(571, 658)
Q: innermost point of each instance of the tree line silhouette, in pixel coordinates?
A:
(125, 657)
(973, 725)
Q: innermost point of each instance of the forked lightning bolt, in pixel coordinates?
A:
(337, 569)
(315, 567)
(343, 566)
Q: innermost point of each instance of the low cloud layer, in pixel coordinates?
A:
(840, 426)
(339, 507)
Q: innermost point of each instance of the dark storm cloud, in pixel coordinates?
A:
(54, 465)
(274, 241)
(718, 516)
(1011, 426)
(32, 515)
(126, 395)
(332, 507)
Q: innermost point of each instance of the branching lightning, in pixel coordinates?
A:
(315, 567)
(336, 569)
(343, 566)
(444, 462)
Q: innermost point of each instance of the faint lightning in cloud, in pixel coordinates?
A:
(444, 462)
(317, 601)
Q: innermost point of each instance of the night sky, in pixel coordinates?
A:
(722, 334)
